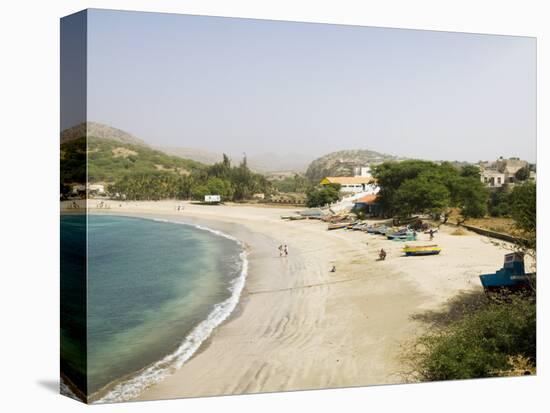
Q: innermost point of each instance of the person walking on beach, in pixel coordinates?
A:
(286, 250)
(281, 250)
(431, 234)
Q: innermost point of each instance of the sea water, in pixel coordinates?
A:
(156, 290)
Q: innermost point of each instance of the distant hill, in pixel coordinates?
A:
(270, 162)
(341, 163)
(262, 163)
(195, 154)
(99, 130)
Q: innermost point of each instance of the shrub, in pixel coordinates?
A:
(483, 343)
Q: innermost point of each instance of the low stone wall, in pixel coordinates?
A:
(487, 232)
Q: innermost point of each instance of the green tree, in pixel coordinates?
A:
(420, 186)
(318, 197)
(218, 186)
(198, 192)
(499, 202)
(523, 209)
(421, 196)
(523, 174)
(470, 171)
(472, 198)
(390, 176)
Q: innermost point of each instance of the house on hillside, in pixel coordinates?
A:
(492, 178)
(353, 184)
(502, 171)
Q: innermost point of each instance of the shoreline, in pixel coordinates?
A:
(297, 326)
(131, 385)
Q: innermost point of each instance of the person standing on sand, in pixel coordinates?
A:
(286, 250)
(431, 234)
(281, 250)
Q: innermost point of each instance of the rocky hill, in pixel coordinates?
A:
(342, 163)
(99, 130)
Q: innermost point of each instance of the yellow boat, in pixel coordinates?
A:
(414, 250)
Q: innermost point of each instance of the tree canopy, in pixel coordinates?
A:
(523, 209)
(328, 194)
(415, 186)
(523, 174)
(231, 183)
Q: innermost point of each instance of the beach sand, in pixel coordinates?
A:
(298, 325)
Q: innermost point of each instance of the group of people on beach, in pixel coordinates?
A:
(283, 250)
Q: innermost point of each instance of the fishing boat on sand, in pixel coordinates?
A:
(338, 225)
(511, 276)
(377, 229)
(403, 234)
(418, 250)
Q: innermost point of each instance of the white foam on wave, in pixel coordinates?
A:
(156, 372)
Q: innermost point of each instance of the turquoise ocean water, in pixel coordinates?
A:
(155, 291)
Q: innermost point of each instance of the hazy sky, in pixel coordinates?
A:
(240, 85)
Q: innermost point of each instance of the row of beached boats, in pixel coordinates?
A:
(510, 277)
(393, 234)
(396, 234)
(405, 233)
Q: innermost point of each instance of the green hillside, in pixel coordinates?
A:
(110, 160)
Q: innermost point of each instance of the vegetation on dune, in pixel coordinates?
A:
(292, 184)
(110, 161)
(483, 342)
(417, 187)
(137, 172)
(231, 183)
(496, 338)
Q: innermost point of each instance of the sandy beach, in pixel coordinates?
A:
(300, 326)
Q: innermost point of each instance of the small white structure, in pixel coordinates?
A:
(212, 199)
(353, 184)
(96, 188)
(492, 178)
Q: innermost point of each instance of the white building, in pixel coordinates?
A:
(492, 178)
(353, 184)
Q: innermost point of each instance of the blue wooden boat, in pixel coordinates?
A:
(510, 277)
